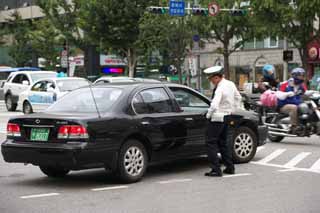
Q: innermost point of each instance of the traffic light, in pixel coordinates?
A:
(200, 12)
(287, 55)
(157, 10)
(238, 12)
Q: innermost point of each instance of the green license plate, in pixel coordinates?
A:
(39, 134)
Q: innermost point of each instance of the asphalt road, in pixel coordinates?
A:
(284, 177)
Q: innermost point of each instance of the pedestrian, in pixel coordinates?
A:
(225, 100)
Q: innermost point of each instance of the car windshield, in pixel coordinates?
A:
(71, 84)
(37, 76)
(81, 100)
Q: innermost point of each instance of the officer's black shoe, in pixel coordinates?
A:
(213, 173)
(229, 171)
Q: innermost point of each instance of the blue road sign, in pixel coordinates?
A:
(176, 8)
(196, 38)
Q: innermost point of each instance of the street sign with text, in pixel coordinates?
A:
(176, 8)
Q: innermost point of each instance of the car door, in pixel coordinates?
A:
(193, 107)
(159, 122)
(16, 86)
(39, 96)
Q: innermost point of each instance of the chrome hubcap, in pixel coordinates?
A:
(243, 145)
(133, 161)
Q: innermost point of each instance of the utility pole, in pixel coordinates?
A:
(285, 62)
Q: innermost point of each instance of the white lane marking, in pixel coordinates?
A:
(272, 156)
(287, 170)
(260, 148)
(293, 162)
(281, 166)
(316, 166)
(9, 114)
(39, 195)
(110, 188)
(237, 175)
(175, 181)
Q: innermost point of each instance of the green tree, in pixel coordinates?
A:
(114, 25)
(224, 27)
(20, 48)
(296, 22)
(64, 16)
(45, 41)
(171, 36)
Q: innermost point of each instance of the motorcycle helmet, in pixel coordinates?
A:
(298, 75)
(268, 71)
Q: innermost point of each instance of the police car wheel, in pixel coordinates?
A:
(132, 161)
(27, 108)
(54, 172)
(244, 143)
(9, 103)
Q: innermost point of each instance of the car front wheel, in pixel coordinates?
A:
(244, 144)
(54, 172)
(133, 160)
(27, 108)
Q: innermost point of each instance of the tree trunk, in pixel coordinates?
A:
(132, 60)
(226, 60)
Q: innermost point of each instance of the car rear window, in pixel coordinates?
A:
(37, 76)
(71, 84)
(81, 100)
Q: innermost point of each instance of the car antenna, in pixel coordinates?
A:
(94, 100)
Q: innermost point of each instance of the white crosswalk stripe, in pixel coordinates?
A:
(297, 159)
(291, 165)
(316, 166)
(272, 156)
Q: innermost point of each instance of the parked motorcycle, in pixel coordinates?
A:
(279, 125)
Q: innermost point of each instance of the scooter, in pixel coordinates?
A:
(279, 125)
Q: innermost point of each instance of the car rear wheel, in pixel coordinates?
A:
(27, 108)
(244, 144)
(54, 172)
(9, 104)
(132, 162)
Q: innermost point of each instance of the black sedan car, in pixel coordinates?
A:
(125, 128)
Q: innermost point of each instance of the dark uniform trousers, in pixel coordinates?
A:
(216, 141)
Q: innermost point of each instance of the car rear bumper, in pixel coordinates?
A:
(73, 156)
(263, 134)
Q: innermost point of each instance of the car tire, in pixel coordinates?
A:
(244, 144)
(11, 107)
(54, 172)
(132, 161)
(27, 108)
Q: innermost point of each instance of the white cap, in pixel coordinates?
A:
(213, 71)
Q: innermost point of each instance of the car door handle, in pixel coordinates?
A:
(189, 119)
(145, 123)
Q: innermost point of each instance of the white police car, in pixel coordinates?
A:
(45, 92)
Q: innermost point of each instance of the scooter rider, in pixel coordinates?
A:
(295, 88)
(268, 71)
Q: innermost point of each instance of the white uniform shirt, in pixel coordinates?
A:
(226, 100)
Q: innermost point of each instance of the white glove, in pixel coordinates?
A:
(290, 94)
(208, 115)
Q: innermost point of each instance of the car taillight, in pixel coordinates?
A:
(13, 130)
(73, 132)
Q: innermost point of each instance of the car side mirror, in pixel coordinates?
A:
(25, 82)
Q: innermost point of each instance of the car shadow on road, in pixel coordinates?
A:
(96, 177)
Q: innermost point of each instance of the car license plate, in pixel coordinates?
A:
(39, 134)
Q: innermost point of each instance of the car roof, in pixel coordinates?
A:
(31, 72)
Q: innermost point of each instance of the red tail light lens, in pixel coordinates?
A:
(73, 132)
(13, 130)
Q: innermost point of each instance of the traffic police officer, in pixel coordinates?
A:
(225, 100)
